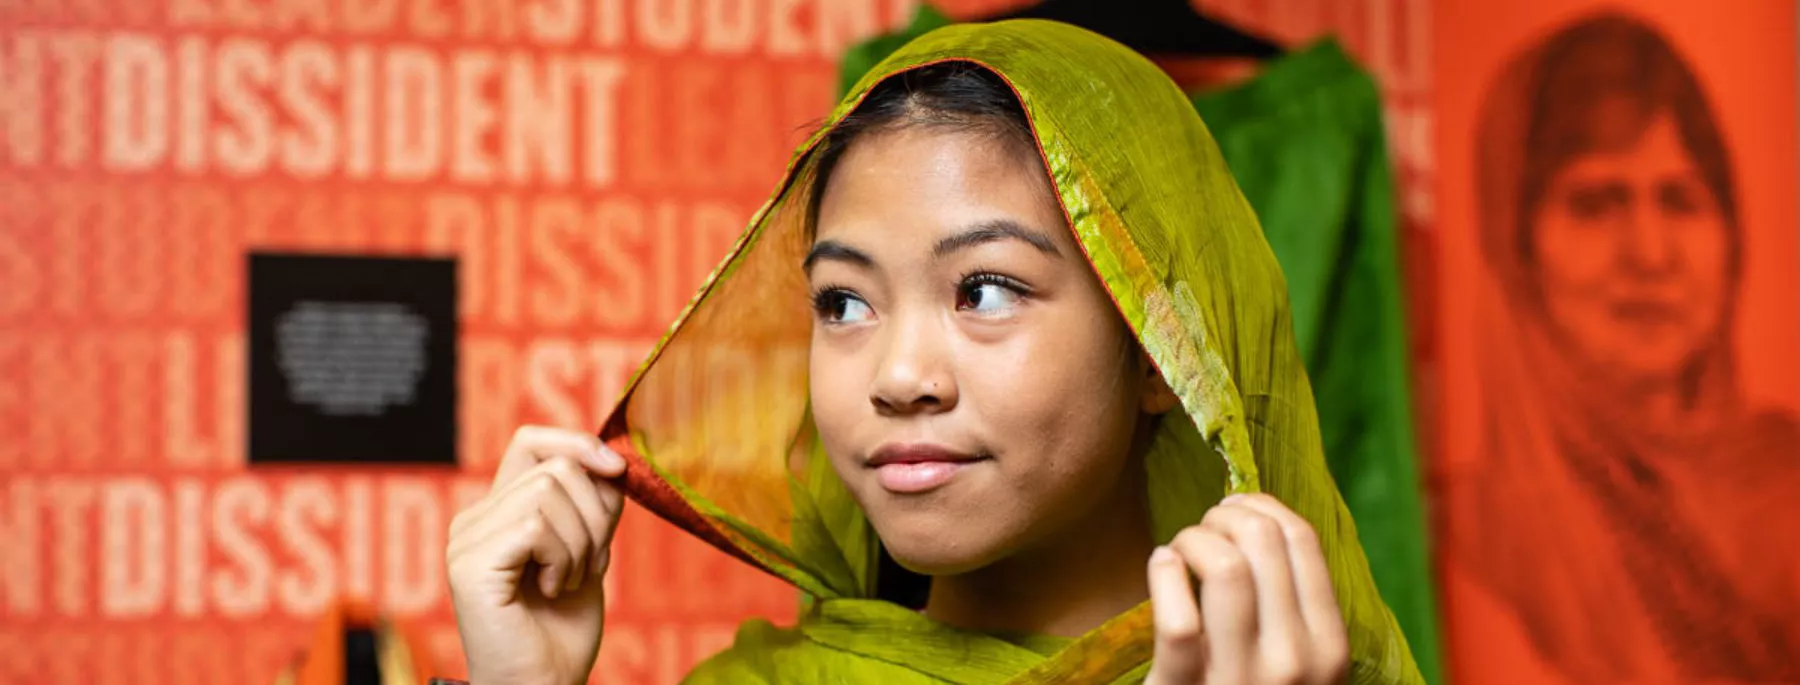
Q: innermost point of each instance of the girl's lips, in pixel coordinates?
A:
(910, 478)
(896, 453)
(916, 468)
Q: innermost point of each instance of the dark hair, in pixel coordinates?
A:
(1584, 73)
(955, 96)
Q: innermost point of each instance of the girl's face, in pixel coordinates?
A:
(972, 382)
(1632, 252)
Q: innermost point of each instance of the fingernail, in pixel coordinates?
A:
(1232, 498)
(1162, 555)
(607, 459)
(597, 567)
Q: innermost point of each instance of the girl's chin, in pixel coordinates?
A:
(936, 564)
(931, 550)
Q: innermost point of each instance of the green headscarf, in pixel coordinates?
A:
(719, 438)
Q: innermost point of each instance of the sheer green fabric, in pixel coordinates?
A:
(717, 431)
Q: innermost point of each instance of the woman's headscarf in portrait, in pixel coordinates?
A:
(719, 439)
(1573, 518)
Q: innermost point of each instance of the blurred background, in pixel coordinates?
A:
(279, 278)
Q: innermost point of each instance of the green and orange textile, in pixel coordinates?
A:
(719, 439)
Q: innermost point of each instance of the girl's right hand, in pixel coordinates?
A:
(526, 561)
(1266, 612)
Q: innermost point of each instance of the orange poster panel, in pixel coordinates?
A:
(1618, 484)
(585, 163)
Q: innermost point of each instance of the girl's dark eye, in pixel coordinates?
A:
(837, 305)
(986, 293)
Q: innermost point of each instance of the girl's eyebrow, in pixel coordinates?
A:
(977, 234)
(832, 250)
(991, 231)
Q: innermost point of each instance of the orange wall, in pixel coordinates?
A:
(146, 145)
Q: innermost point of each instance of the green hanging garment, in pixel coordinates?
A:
(1305, 141)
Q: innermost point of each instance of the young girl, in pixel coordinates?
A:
(1046, 338)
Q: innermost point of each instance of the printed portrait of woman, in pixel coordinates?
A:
(1630, 507)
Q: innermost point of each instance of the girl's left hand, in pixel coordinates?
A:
(1266, 614)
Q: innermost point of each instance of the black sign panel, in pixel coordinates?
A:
(352, 359)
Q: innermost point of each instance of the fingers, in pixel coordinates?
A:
(599, 502)
(559, 510)
(533, 444)
(556, 498)
(595, 513)
(513, 503)
(1180, 655)
(612, 506)
(1312, 578)
(537, 540)
(506, 553)
(1266, 614)
(1261, 540)
(1227, 601)
(535, 505)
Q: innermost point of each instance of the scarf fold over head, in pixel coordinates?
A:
(719, 439)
